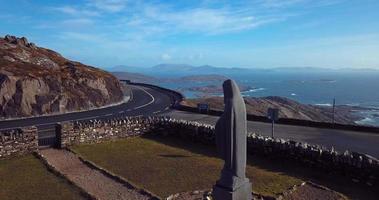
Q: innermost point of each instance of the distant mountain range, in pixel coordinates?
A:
(185, 69)
(179, 70)
(142, 78)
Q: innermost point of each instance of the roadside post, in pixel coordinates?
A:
(334, 110)
(273, 115)
(203, 108)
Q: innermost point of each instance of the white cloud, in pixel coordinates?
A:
(77, 22)
(70, 10)
(140, 19)
(109, 5)
(198, 20)
(281, 3)
(165, 57)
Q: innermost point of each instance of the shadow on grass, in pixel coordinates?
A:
(323, 177)
(173, 156)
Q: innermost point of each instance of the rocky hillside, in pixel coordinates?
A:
(288, 108)
(36, 81)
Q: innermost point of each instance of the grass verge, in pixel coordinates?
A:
(165, 169)
(26, 177)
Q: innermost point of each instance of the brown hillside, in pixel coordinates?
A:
(35, 81)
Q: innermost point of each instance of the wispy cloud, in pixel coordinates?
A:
(77, 22)
(281, 3)
(166, 57)
(109, 5)
(288, 3)
(70, 10)
(140, 19)
(202, 20)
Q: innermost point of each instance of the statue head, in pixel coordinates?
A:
(231, 90)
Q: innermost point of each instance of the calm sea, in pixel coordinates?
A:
(319, 88)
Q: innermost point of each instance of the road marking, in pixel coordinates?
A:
(131, 95)
(121, 112)
(156, 112)
(167, 108)
(99, 116)
(152, 99)
(94, 117)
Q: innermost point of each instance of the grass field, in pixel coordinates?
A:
(166, 165)
(27, 178)
(166, 170)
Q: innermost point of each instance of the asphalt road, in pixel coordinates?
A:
(143, 101)
(341, 140)
(147, 101)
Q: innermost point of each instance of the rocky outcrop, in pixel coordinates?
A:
(36, 81)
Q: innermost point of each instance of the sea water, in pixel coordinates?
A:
(355, 88)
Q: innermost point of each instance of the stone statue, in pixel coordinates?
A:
(231, 144)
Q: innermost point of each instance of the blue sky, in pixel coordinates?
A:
(244, 33)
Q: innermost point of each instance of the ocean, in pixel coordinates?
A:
(353, 88)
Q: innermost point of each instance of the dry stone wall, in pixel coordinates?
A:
(18, 141)
(95, 131)
(360, 167)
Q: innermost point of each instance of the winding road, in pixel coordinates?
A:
(147, 101)
(143, 101)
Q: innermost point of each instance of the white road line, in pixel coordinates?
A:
(156, 112)
(131, 95)
(152, 99)
(93, 117)
(121, 112)
(167, 108)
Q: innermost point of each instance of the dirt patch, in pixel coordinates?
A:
(311, 191)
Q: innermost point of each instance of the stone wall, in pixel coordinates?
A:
(18, 141)
(360, 167)
(95, 131)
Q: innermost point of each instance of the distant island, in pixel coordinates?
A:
(316, 86)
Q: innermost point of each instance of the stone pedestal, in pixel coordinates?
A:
(243, 192)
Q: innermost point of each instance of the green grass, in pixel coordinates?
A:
(27, 178)
(165, 169)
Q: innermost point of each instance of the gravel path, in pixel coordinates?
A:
(91, 180)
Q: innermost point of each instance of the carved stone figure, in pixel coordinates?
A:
(231, 144)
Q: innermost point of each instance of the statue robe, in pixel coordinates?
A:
(231, 137)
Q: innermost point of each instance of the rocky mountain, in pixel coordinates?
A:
(36, 81)
(288, 108)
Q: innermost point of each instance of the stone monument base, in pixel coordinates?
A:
(243, 192)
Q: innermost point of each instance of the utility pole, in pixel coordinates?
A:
(334, 109)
